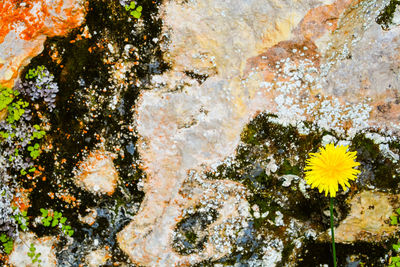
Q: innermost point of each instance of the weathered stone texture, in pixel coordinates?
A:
(97, 173)
(25, 25)
(253, 56)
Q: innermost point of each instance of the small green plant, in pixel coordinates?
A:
(33, 255)
(4, 135)
(34, 151)
(39, 134)
(394, 261)
(7, 243)
(136, 13)
(394, 219)
(16, 110)
(22, 220)
(7, 95)
(55, 219)
(33, 73)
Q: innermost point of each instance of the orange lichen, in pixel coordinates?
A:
(21, 201)
(31, 18)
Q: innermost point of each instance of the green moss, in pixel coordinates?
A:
(386, 16)
(287, 168)
(365, 147)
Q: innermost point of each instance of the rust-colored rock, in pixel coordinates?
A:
(97, 173)
(25, 25)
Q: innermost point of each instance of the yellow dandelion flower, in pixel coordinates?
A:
(330, 167)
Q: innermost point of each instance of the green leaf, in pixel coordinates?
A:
(44, 212)
(8, 246)
(63, 220)
(139, 8)
(136, 14)
(393, 220)
(46, 221)
(398, 211)
(57, 215)
(3, 238)
(54, 223)
(132, 5)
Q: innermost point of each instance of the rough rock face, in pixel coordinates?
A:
(43, 245)
(368, 218)
(97, 173)
(25, 25)
(230, 60)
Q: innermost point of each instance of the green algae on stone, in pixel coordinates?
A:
(386, 16)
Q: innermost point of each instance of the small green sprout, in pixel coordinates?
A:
(394, 218)
(33, 73)
(136, 13)
(22, 219)
(7, 243)
(7, 95)
(4, 135)
(33, 255)
(39, 134)
(16, 110)
(34, 151)
(394, 261)
(56, 219)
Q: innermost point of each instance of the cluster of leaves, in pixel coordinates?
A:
(39, 84)
(33, 255)
(6, 96)
(33, 73)
(15, 107)
(54, 219)
(395, 260)
(23, 171)
(7, 243)
(136, 12)
(34, 151)
(21, 219)
(394, 219)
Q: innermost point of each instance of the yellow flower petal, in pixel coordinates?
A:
(330, 167)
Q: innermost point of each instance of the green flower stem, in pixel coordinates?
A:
(333, 233)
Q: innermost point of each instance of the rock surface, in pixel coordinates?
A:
(368, 218)
(25, 25)
(230, 60)
(43, 245)
(97, 173)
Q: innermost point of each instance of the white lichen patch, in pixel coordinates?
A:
(97, 257)
(43, 245)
